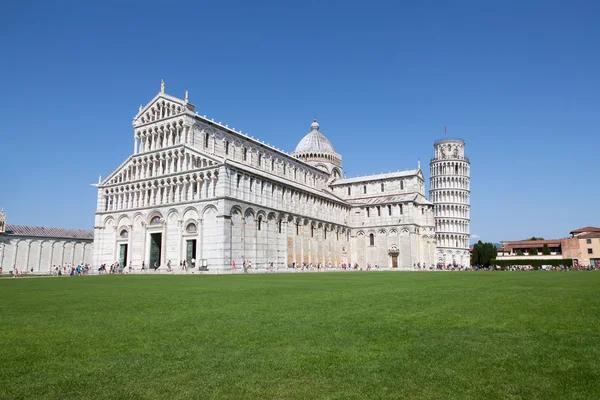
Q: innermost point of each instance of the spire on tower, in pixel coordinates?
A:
(162, 86)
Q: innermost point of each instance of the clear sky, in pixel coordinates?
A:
(518, 80)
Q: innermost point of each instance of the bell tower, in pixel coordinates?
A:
(450, 192)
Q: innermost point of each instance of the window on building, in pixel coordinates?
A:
(206, 140)
(365, 189)
(280, 225)
(325, 233)
(251, 183)
(124, 234)
(382, 187)
(191, 228)
(401, 185)
(390, 210)
(284, 169)
(295, 173)
(349, 191)
(588, 241)
(371, 240)
(312, 231)
(400, 209)
(378, 211)
(297, 229)
(259, 160)
(226, 147)
(590, 251)
(273, 165)
(239, 179)
(368, 213)
(245, 154)
(259, 224)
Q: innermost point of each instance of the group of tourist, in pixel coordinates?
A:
(70, 270)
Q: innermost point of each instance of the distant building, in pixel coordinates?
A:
(38, 249)
(588, 239)
(583, 247)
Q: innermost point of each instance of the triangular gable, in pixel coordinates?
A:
(160, 107)
(125, 164)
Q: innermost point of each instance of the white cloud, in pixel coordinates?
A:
(475, 237)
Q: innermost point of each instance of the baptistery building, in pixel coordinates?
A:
(196, 189)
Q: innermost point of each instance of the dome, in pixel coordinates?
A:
(314, 141)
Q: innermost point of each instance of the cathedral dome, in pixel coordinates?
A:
(314, 141)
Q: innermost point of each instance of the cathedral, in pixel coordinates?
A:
(195, 189)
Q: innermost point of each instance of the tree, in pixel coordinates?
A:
(519, 252)
(535, 238)
(483, 254)
(533, 251)
(546, 250)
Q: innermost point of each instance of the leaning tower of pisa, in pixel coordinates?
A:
(450, 191)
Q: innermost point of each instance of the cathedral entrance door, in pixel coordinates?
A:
(155, 246)
(123, 255)
(190, 251)
(395, 261)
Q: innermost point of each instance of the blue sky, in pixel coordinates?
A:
(519, 81)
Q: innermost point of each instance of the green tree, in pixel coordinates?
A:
(483, 254)
(546, 250)
(535, 238)
(533, 251)
(519, 252)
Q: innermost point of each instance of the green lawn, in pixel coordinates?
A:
(469, 335)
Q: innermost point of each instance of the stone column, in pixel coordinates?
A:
(39, 268)
(27, 260)
(62, 253)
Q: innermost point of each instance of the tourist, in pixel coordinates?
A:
(169, 266)
(233, 267)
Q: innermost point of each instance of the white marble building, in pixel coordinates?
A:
(34, 249)
(450, 191)
(195, 188)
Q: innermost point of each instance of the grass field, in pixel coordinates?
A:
(474, 335)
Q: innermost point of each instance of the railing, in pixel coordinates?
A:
(448, 139)
(451, 158)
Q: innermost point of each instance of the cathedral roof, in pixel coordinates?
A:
(315, 141)
(39, 231)
(387, 175)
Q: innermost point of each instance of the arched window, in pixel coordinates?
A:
(191, 228)
(124, 234)
(259, 226)
(382, 187)
(365, 189)
(206, 140)
(401, 185)
(349, 191)
(371, 240)
(226, 147)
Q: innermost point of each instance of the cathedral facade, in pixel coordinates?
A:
(195, 189)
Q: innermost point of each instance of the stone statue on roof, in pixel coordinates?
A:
(162, 86)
